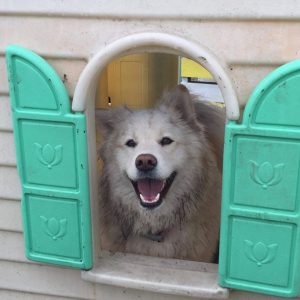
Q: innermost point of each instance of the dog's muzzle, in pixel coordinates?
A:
(151, 191)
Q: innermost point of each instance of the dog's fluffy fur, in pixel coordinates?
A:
(184, 223)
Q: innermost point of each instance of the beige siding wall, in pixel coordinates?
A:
(250, 42)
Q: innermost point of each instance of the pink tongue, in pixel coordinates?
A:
(149, 188)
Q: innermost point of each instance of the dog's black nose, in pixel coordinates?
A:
(145, 162)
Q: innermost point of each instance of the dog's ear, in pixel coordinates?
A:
(180, 101)
(108, 119)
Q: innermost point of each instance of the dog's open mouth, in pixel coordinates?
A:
(151, 191)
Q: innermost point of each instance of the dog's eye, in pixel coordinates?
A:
(166, 141)
(130, 143)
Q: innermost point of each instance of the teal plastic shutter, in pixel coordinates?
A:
(261, 185)
(52, 161)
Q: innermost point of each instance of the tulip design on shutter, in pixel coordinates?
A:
(266, 174)
(53, 227)
(260, 253)
(48, 155)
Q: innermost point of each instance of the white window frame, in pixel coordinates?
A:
(168, 276)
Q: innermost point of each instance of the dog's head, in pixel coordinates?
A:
(152, 157)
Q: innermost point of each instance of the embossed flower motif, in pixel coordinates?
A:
(266, 174)
(53, 227)
(260, 253)
(48, 155)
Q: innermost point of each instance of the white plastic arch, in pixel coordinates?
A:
(153, 42)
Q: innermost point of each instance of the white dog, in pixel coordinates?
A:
(160, 187)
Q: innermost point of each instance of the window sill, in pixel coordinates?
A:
(167, 276)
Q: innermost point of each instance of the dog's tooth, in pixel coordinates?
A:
(145, 200)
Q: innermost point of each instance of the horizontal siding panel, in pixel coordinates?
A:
(42, 279)
(10, 187)
(80, 38)
(12, 247)
(69, 71)
(11, 295)
(3, 76)
(5, 113)
(10, 215)
(168, 9)
(7, 149)
(244, 80)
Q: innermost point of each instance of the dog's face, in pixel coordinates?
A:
(151, 152)
(152, 156)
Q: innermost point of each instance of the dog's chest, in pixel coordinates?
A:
(176, 243)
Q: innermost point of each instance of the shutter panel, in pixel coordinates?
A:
(51, 146)
(261, 185)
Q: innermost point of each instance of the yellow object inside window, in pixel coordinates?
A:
(189, 68)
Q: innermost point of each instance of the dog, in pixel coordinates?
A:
(160, 185)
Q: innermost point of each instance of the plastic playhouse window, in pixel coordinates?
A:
(168, 276)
